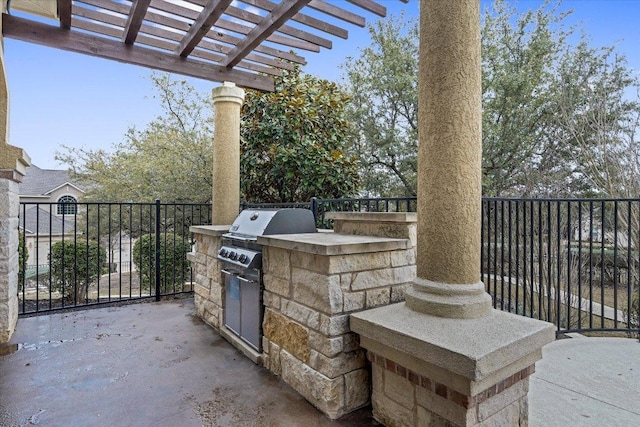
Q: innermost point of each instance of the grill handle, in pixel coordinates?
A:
(244, 279)
(229, 273)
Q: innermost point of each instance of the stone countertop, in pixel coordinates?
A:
(210, 230)
(333, 243)
(373, 216)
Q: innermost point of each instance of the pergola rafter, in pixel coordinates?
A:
(244, 41)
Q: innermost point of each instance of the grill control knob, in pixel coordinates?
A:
(233, 255)
(243, 259)
(223, 253)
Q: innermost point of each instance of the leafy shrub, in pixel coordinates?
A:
(174, 267)
(74, 265)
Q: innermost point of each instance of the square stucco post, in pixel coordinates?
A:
(445, 357)
(13, 163)
(227, 100)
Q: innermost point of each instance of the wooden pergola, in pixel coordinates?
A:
(247, 42)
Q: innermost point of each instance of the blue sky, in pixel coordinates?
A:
(58, 97)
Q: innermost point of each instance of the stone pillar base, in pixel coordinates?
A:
(434, 371)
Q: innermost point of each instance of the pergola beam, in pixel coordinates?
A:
(134, 20)
(212, 11)
(73, 41)
(273, 21)
(64, 12)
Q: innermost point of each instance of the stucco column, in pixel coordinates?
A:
(227, 100)
(449, 163)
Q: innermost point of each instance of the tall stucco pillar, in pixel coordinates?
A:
(449, 163)
(13, 163)
(445, 357)
(227, 100)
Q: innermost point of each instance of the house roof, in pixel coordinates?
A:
(40, 182)
(41, 222)
(242, 41)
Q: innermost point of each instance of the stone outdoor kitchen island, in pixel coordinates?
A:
(312, 283)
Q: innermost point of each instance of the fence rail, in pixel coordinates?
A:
(571, 262)
(85, 254)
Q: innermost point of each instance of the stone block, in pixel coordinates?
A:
(333, 367)
(377, 379)
(329, 347)
(389, 413)
(277, 285)
(326, 394)
(317, 290)
(398, 292)
(357, 389)
(359, 262)
(445, 408)
(215, 295)
(399, 389)
(404, 274)
(271, 300)
(312, 262)
(274, 359)
(200, 290)
(402, 258)
(353, 301)
(287, 334)
(378, 297)
(500, 401)
(276, 262)
(367, 279)
(333, 326)
(516, 414)
(350, 342)
(300, 314)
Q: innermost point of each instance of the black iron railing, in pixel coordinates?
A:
(104, 252)
(571, 262)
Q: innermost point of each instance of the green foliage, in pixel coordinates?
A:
(74, 266)
(174, 267)
(557, 116)
(383, 85)
(23, 256)
(293, 142)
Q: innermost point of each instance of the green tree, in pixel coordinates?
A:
(74, 266)
(293, 142)
(172, 154)
(174, 266)
(534, 67)
(383, 85)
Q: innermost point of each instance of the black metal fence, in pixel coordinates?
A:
(571, 262)
(80, 254)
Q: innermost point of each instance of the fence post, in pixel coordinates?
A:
(157, 260)
(314, 209)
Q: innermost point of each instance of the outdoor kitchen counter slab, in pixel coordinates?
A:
(210, 230)
(333, 243)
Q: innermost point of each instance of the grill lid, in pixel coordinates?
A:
(253, 223)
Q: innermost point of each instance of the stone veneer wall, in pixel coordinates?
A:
(208, 286)
(8, 257)
(311, 285)
(307, 300)
(311, 290)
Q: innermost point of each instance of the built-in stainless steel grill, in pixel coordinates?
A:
(242, 257)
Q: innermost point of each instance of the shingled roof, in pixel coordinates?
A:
(40, 182)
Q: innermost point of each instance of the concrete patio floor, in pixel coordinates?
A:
(156, 364)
